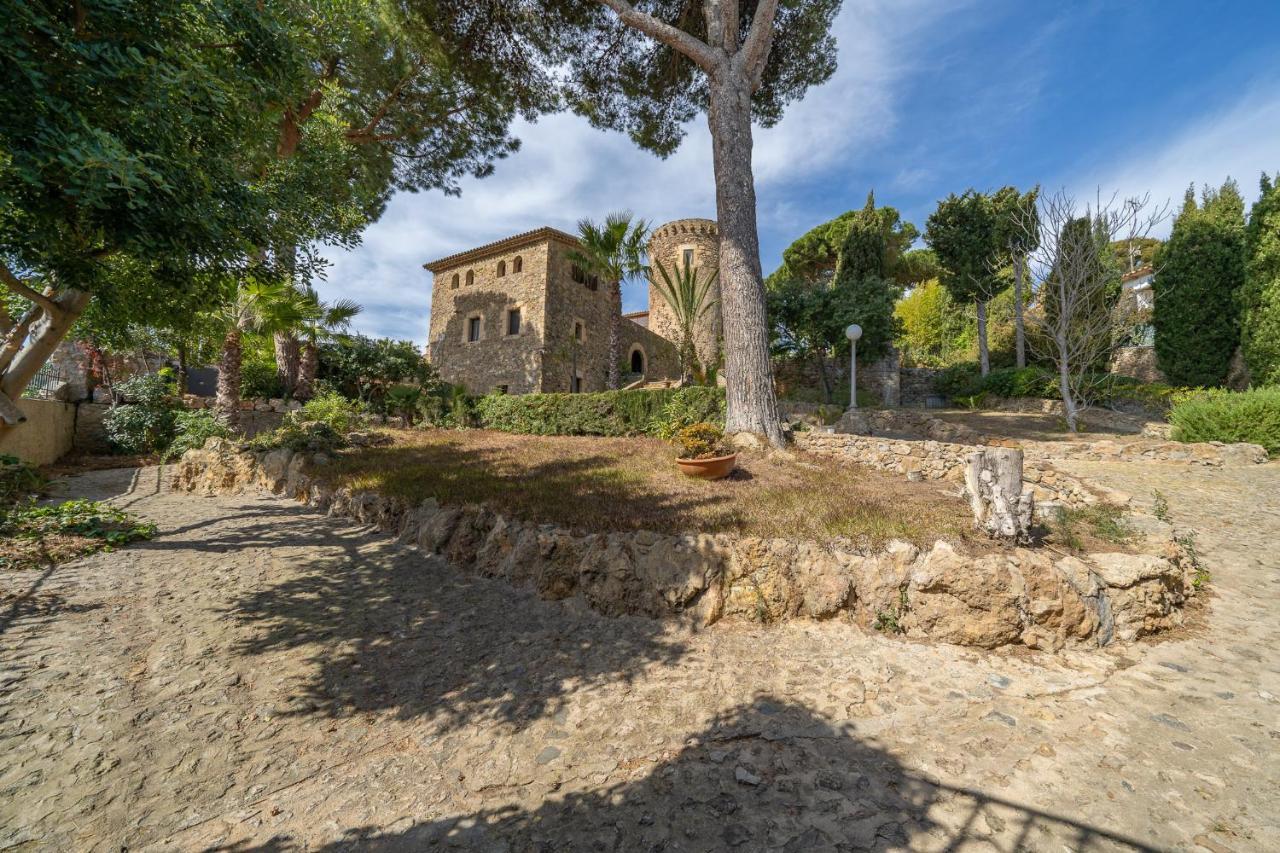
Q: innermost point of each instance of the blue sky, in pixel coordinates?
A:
(931, 97)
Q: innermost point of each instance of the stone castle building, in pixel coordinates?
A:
(517, 316)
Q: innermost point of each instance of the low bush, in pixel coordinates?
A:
(144, 422)
(1230, 416)
(966, 386)
(260, 380)
(609, 413)
(18, 479)
(701, 441)
(192, 429)
(320, 426)
(331, 408)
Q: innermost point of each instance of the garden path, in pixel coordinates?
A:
(260, 677)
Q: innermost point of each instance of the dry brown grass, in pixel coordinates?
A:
(618, 484)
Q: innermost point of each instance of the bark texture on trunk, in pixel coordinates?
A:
(288, 358)
(228, 399)
(993, 483)
(308, 370)
(751, 402)
(984, 357)
(46, 333)
(1019, 329)
(1069, 406)
(615, 335)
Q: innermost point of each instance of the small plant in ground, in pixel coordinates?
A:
(1107, 522)
(1160, 507)
(35, 534)
(192, 429)
(1200, 572)
(887, 620)
(18, 480)
(701, 441)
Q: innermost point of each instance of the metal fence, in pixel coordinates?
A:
(48, 383)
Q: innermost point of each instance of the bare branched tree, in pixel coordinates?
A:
(1078, 286)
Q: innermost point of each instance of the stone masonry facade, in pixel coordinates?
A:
(518, 316)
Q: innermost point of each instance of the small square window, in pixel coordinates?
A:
(503, 389)
(513, 321)
(473, 329)
(688, 258)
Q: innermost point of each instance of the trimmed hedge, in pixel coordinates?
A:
(963, 381)
(1230, 416)
(610, 413)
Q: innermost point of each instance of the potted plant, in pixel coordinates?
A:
(703, 453)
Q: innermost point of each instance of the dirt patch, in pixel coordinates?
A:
(630, 484)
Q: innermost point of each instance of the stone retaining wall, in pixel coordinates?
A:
(1014, 596)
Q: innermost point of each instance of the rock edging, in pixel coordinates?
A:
(1018, 596)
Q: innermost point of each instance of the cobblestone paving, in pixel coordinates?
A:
(262, 678)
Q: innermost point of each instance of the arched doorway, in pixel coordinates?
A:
(637, 360)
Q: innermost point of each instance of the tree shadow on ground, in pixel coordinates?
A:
(385, 628)
(769, 775)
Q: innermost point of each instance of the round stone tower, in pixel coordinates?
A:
(696, 242)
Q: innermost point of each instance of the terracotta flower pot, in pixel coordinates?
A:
(708, 469)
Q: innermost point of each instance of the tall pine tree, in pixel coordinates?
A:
(1261, 296)
(1197, 288)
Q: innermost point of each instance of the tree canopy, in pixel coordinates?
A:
(1261, 294)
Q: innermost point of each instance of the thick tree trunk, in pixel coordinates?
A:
(993, 484)
(1019, 328)
(752, 404)
(615, 335)
(288, 357)
(228, 400)
(984, 356)
(308, 369)
(47, 332)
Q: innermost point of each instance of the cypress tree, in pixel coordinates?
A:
(1197, 288)
(1261, 297)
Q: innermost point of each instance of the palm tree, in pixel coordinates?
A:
(323, 321)
(685, 291)
(256, 306)
(615, 252)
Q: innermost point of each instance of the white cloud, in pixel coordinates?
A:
(566, 171)
(1237, 141)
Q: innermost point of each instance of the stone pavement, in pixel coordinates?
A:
(260, 677)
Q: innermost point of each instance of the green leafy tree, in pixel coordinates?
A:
(687, 292)
(1018, 231)
(1261, 294)
(863, 284)
(366, 368)
(1198, 287)
(614, 250)
(129, 131)
(931, 326)
(965, 234)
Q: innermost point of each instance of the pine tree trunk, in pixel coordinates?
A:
(228, 400)
(984, 357)
(752, 405)
(288, 357)
(308, 369)
(1019, 329)
(615, 335)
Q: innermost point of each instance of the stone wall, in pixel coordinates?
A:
(497, 359)
(666, 246)
(570, 302)
(1013, 596)
(881, 379)
(918, 388)
(45, 436)
(1137, 362)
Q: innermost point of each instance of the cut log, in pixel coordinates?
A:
(993, 482)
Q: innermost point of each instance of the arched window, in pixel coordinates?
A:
(637, 360)
(502, 268)
(453, 284)
(471, 277)
(517, 265)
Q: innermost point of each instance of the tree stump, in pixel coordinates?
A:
(993, 482)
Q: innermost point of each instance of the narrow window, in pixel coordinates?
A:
(578, 274)
(593, 283)
(473, 329)
(513, 321)
(502, 268)
(517, 265)
(453, 284)
(577, 331)
(688, 257)
(471, 277)
(576, 387)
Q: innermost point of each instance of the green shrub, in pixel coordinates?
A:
(18, 479)
(701, 441)
(1021, 382)
(331, 408)
(605, 413)
(193, 428)
(259, 379)
(959, 380)
(299, 436)
(1230, 416)
(144, 422)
